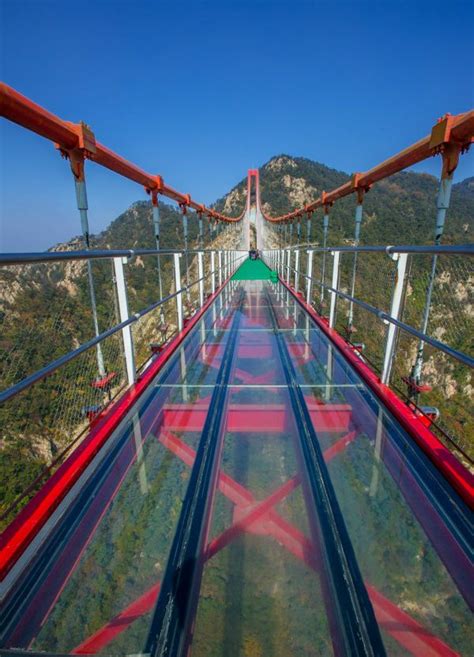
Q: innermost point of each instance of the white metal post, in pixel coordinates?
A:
(123, 311)
(309, 273)
(297, 273)
(394, 312)
(179, 296)
(201, 278)
(358, 221)
(282, 262)
(334, 285)
(219, 262)
(288, 262)
(213, 272)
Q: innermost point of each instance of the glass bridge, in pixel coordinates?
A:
(257, 500)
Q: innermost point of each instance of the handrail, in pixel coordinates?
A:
(98, 254)
(72, 137)
(9, 259)
(386, 317)
(51, 367)
(455, 249)
(450, 136)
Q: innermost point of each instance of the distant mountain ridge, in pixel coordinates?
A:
(400, 209)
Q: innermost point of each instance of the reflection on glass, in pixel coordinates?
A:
(264, 587)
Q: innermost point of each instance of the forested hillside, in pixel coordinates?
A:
(45, 309)
(399, 210)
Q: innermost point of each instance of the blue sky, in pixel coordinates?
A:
(201, 91)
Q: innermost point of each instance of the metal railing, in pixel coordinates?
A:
(399, 287)
(65, 390)
(121, 257)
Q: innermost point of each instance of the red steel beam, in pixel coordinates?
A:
(119, 623)
(402, 627)
(255, 418)
(77, 137)
(284, 532)
(250, 516)
(450, 131)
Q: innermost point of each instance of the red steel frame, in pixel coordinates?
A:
(249, 515)
(261, 517)
(77, 139)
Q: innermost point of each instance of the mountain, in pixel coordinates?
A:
(45, 309)
(399, 210)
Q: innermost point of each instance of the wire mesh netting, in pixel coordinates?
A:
(42, 423)
(45, 311)
(452, 301)
(445, 382)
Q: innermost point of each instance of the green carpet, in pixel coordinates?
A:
(254, 270)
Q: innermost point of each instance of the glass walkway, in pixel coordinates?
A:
(258, 500)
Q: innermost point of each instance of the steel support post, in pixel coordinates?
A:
(179, 296)
(325, 243)
(308, 229)
(298, 231)
(442, 205)
(288, 263)
(309, 273)
(297, 266)
(213, 271)
(219, 262)
(334, 285)
(394, 312)
(201, 232)
(282, 262)
(358, 221)
(82, 206)
(124, 315)
(186, 254)
(156, 227)
(201, 278)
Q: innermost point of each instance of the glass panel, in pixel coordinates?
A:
(259, 594)
(264, 587)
